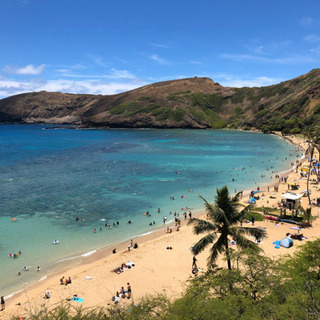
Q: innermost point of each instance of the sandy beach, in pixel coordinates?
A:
(156, 269)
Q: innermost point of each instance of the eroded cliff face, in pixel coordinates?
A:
(185, 103)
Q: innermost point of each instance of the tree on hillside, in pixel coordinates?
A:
(313, 136)
(222, 225)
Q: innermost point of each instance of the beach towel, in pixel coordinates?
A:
(77, 299)
(277, 244)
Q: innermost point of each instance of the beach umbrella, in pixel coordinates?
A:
(295, 228)
(252, 200)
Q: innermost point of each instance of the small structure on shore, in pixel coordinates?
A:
(291, 200)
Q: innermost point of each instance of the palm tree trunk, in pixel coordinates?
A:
(227, 254)
(309, 174)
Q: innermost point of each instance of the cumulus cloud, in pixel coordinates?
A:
(91, 86)
(29, 69)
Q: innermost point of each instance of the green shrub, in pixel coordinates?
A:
(147, 99)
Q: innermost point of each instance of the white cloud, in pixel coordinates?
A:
(285, 60)
(228, 80)
(259, 50)
(306, 21)
(78, 66)
(88, 86)
(159, 45)
(120, 74)
(239, 81)
(91, 86)
(315, 50)
(312, 38)
(97, 60)
(26, 70)
(114, 74)
(156, 58)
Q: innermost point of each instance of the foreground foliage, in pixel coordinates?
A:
(257, 288)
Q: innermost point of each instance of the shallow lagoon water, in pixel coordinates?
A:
(48, 178)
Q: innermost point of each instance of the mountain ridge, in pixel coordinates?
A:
(289, 106)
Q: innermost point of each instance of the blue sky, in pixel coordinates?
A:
(111, 46)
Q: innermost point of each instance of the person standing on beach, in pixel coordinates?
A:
(128, 290)
(3, 304)
(194, 261)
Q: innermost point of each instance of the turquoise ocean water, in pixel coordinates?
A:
(48, 178)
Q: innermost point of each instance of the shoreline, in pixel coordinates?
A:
(97, 257)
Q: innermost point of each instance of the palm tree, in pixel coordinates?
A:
(222, 225)
(307, 215)
(313, 135)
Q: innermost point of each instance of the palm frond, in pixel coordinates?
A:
(245, 243)
(201, 226)
(310, 149)
(210, 208)
(215, 250)
(256, 232)
(203, 243)
(242, 214)
(235, 199)
(215, 212)
(238, 216)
